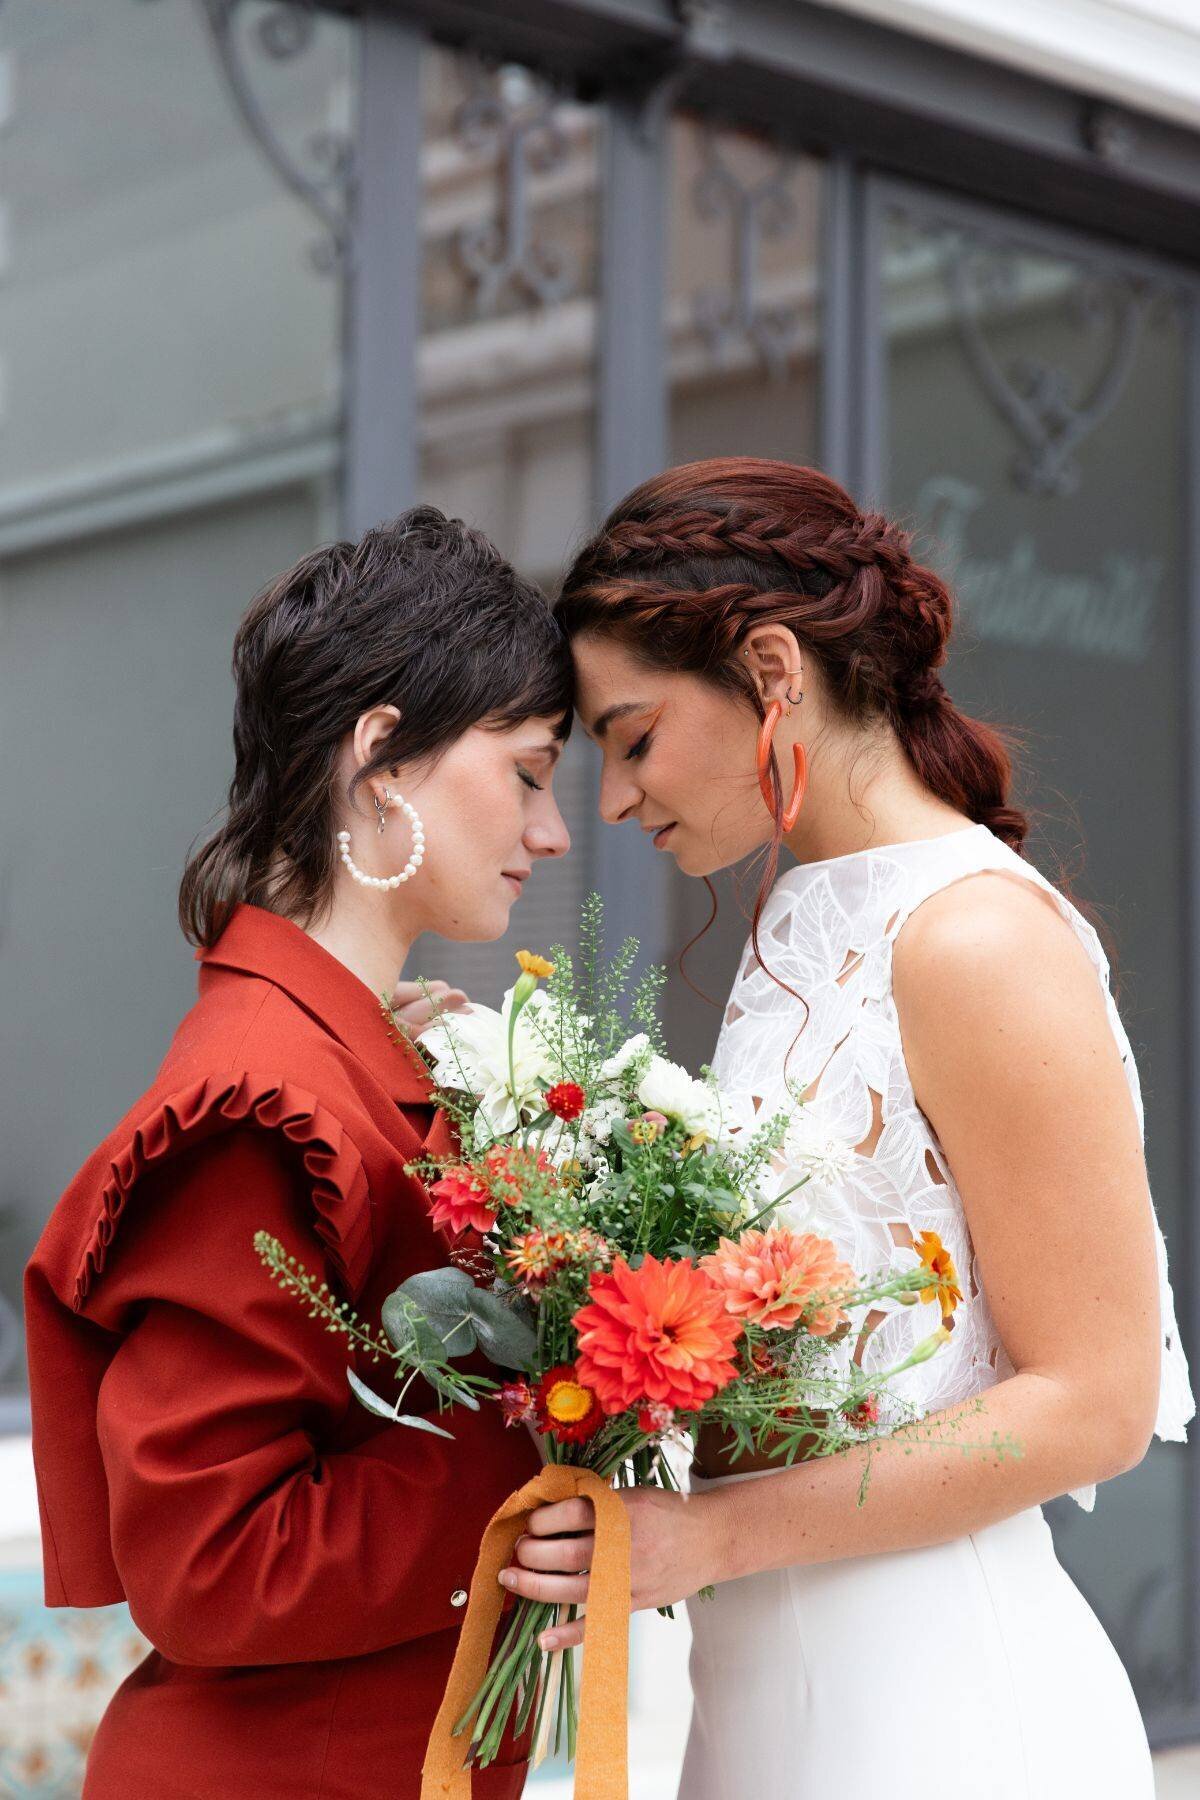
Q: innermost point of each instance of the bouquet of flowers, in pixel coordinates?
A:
(628, 1271)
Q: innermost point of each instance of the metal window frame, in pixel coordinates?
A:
(1179, 1725)
(869, 96)
(1185, 1727)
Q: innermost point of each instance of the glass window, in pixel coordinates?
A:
(1036, 440)
(169, 297)
(506, 373)
(745, 341)
(169, 333)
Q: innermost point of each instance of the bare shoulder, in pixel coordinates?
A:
(990, 962)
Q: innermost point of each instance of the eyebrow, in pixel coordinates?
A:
(551, 748)
(617, 712)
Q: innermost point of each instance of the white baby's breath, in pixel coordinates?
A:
(597, 1121)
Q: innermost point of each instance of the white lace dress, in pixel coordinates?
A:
(975, 1663)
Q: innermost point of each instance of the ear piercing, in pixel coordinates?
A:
(418, 847)
(793, 699)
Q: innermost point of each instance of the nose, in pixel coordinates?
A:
(618, 794)
(546, 833)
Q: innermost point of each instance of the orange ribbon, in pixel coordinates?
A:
(602, 1755)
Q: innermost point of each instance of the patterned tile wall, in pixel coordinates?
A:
(58, 1669)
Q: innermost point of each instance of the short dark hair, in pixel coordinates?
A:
(422, 613)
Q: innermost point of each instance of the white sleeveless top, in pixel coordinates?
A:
(841, 916)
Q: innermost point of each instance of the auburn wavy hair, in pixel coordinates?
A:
(691, 560)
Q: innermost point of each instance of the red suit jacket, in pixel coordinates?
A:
(298, 1566)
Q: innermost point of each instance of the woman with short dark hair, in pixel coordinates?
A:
(299, 1566)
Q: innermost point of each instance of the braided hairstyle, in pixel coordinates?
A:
(687, 564)
(690, 561)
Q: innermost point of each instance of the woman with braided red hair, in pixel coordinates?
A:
(758, 661)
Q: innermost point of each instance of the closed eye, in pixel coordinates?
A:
(638, 749)
(527, 778)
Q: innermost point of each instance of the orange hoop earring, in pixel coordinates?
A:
(791, 811)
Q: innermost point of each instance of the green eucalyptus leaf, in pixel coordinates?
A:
(517, 1302)
(370, 1400)
(503, 1335)
(422, 1424)
(462, 1315)
(444, 1299)
(412, 1333)
(448, 1387)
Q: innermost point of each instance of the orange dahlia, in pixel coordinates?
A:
(459, 1202)
(658, 1333)
(537, 1256)
(938, 1260)
(777, 1277)
(566, 1407)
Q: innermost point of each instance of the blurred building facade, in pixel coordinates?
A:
(272, 272)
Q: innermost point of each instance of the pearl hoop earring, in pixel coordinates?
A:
(418, 849)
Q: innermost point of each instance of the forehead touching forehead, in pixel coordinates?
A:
(539, 735)
(612, 683)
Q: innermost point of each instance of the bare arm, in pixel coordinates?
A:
(1012, 1059)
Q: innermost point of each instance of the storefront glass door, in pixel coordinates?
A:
(1026, 413)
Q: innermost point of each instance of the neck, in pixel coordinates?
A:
(363, 932)
(890, 807)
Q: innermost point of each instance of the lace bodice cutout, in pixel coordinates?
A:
(880, 1176)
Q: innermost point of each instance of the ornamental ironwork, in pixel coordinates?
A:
(510, 115)
(1048, 410)
(322, 180)
(757, 211)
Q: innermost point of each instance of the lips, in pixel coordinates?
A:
(516, 879)
(661, 832)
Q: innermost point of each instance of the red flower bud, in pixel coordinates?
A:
(566, 1100)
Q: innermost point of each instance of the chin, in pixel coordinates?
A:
(489, 928)
(482, 927)
(697, 864)
(711, 862)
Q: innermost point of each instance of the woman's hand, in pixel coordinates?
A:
(672, 1553)
(411, 1009)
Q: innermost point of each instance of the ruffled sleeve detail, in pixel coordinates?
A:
(339, 1188)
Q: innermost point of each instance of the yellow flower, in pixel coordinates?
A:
(535, 965)
(693, 1143)
(937, 1259)
(568, 1401)
(644, 1131)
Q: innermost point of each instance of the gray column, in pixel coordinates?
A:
(383, 288)
(1187, 1289)
(841, 316)
(631, 438)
